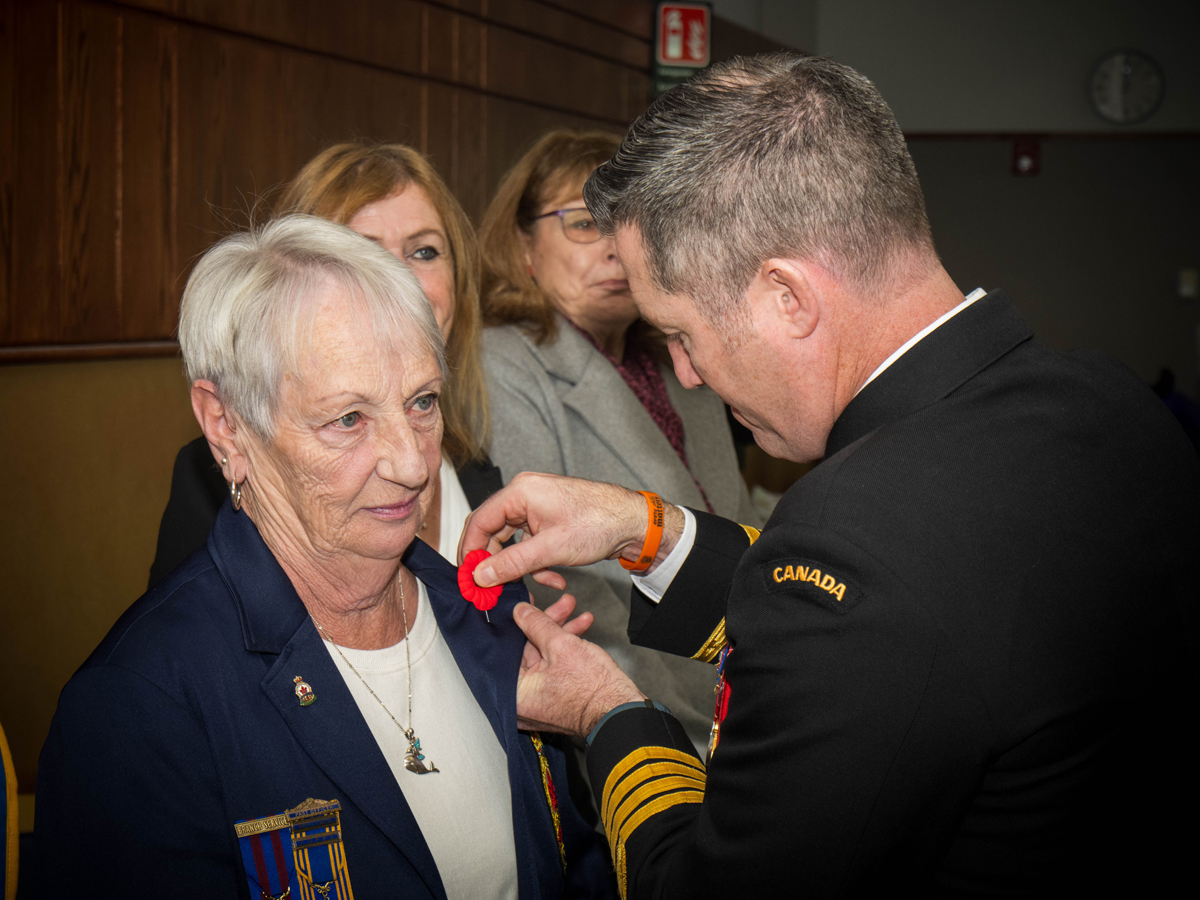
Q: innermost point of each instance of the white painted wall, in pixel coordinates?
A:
(992, 65)
(1011, 65)
(1089, 250)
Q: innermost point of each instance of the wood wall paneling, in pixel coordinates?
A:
(90, 483)
(634, 17)
(33, 289)
(382, 32)
(441, 37)
(388, 32)
(90, 84)
(140, 131)
(569, 30)
(239, 143)
(468, 174)
(512, 128)
(149, 283)
(526, 68)
(8, 153)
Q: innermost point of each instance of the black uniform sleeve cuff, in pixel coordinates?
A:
(646, 776)
(689, 621)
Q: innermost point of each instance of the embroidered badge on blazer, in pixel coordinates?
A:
(300, 848)
(814, 580)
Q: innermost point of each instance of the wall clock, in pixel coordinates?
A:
(1126, 87)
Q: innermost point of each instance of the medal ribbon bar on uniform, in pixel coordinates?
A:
(267, 856)
(320, 857)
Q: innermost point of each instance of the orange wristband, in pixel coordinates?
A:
(654, 529)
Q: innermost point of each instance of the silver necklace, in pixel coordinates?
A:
(414, 759)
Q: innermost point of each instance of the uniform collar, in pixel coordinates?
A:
(932, 368)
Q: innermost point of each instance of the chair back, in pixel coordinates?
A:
(8, 813)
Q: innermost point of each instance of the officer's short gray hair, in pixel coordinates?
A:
(248, 307)
(776, 156)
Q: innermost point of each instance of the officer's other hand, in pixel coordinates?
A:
(565, 684)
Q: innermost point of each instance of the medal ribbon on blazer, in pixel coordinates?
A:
(320, 856)
(266, 846)
(299, 848)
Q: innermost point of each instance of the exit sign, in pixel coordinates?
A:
(683, 30)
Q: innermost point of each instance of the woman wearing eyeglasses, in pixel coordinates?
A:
(577, 385)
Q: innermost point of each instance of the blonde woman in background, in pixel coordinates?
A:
(578, 385)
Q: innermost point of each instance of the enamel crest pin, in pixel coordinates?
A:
(303, 692)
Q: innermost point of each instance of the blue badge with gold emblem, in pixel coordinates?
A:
(300, 848)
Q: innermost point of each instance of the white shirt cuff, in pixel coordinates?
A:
(657, 582)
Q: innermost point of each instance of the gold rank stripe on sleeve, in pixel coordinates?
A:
(711, 648)
(666, 776)
(646, 782)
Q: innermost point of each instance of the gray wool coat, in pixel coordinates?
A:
(562, 408)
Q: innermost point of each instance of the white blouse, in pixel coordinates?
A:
(467, 803)
(454, 509)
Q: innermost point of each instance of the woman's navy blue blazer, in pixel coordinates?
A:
(185, 720)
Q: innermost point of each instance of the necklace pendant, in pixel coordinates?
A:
(414, 759)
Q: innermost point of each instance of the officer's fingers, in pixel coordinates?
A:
(550, 579)
(529, 556)
(527, 497)
(539, 628)
(560, 610)
(477, 538)
(493, 523)
(580, 624)
(530, 656)
(496, 541)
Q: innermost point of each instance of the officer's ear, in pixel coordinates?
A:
(791, 296)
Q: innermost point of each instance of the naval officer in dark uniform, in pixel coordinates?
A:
(959, 658)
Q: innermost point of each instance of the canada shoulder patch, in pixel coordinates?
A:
(810, 578)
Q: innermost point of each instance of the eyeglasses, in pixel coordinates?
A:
(577, 224)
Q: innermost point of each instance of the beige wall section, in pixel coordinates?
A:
(86, 450)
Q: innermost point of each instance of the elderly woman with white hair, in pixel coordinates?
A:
(310, 704)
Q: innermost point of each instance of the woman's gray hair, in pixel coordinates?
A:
(248, 307)
(775, 156)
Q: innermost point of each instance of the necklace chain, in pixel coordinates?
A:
(414, 759)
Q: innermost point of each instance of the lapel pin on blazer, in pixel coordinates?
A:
(483, 598)
(304, 693)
